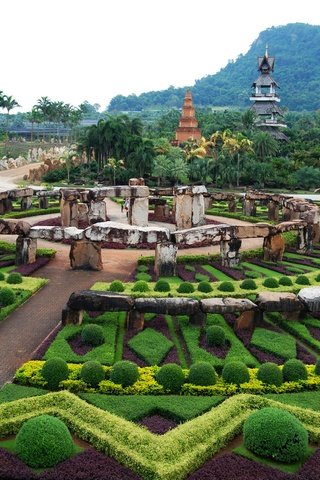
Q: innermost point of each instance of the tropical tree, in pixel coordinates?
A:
(264, 145)
(9, 103)
(114, 165)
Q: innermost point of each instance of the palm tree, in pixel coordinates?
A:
(115, 166)
(9, 103)
(264, 145)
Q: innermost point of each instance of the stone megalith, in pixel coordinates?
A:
(273, 248)
(165, 259)
(85, 255)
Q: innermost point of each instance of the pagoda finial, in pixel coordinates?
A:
(266, 54)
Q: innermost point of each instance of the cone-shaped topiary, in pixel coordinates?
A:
(92, 334)
(185, 287)
(235, 372)
(125, 373)
(171, 377)
(54, 370)
(162, 286)
(276, 434)
(43, 442)
(294, 370)
(215, 336)
(7, 296)
(116, 286)
(92, 373)
(270, 374)
(202, 373)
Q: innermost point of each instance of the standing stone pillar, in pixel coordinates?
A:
(85, 255)
(198, 218)
(316, 232)
(71, 317)
(69, 213)
(249, 208)
(273, 248)
(232, 205)
(139, 211)
(135, 320)
(26, 203)
(304, 239)
(229, 251)
(183, 211)
(273, 210)
(26, 250)
(7, 205)
(286, 214)
(165, 259)
(208, 201)
(43, 202)
(97, 212)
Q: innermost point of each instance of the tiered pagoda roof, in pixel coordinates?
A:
(188, 124)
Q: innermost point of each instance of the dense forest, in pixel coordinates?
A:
(296, 48)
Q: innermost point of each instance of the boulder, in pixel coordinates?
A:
(310, 297)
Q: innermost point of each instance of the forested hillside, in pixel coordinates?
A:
(297, 70)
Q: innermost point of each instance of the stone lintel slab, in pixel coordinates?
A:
(120, 191)
(170, 306)
(70, 195)
(199, 234)
(129, 234)
(48, 193)
(73, 233)
(20, 192)
(226, 305)
(91, 300)
(14, 227)
(290, 225)
(47, 232)
(310, 296)
(278, 302)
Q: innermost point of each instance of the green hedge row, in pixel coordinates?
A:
(32, 212)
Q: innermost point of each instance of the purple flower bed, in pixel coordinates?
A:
(43, 347)
(157, 424)
(78, 346)
(184, 274)
(6, 263)
(219, 352)
(304, 355)
(303, 261)
(49, 222)
(276, 268)
(26, 270)
(311, 254)
(233, 274)
(201, 270)
(12, 468)
(152, 218)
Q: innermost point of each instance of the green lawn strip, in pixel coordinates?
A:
(120, 336)
(281, 344)
(28, 283)
(297, 329)
(151, 346)
(266, 271)
(167, 457)
(222, 277)
(21, 297)
(237, 350)
(172, 280)
(311, 322)
(309, 400)
(11, 391)
(103, 353)
(307, 268)
(175, 339)
(299, 256)
(283, 467)
(136, 407)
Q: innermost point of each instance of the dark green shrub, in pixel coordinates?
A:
(14, 278)
(185, 287)
(302, 280)
(235, 372)
(171, 377)
(7, 296)
(142, 268)
(270, 374)
(271, 282)
(202, 373)
(54, 370)
(248, 284)
(285, 281)
(317, 277)
(92, 373)
(204, 287)
(140, 286)
(162, 286)
(43, 441)
(145, 277)
(252, 274)
(116, 286)
(92, 334)
(294, 370)
(276, 434)
(2, 277)
(125, 373)
(226, 287)
(317, 367)
(215, 336)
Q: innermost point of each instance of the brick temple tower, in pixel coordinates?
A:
(266, 99)
(188, 124)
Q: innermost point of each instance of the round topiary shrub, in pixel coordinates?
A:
(270, 374)
(14, 278)
(54, 370)
(171, 377)
(140, 286)
(215, 336)
(271, 282)
(7, 296)
(202, 373)
(92, 334)
(142, 268)
(116, 286)
(2, 277)
(125, 373)
(43, 441)
(92, 373)
(185, 287)
(317, 277)
(226, 287)
(285, 281)
(235, 372)
(204, 287)
(248, 284)
(162, 286)
(302, 280)
(276, 434)
(294, 370)
(317, 367)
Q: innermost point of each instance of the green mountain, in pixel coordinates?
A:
(296, 48)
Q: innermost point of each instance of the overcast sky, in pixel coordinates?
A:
(76, 50)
